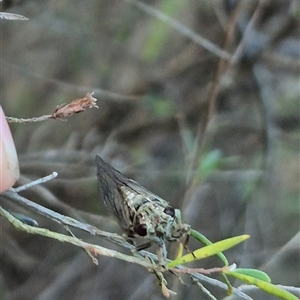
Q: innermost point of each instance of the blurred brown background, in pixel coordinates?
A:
(218, 139)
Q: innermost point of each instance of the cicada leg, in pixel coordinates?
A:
(185, 244)
(161, 252)
(143, 246)
(138, 248)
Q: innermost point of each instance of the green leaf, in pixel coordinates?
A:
(163, 108)
(266, 286)
(208, 250)
(254, 273)
(159, 31)
(210, 162)
(204, 240)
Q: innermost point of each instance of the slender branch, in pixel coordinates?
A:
(205, 290)
(184, 30)
(35, 182)
(95, 249)
(65, 220)
(104, 94)
(88, 252)
(63, 111)
(199, 270)
(254, 19)
(28, 120)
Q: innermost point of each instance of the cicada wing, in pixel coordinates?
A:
(108, 183)
(139, 189)
(120, 178)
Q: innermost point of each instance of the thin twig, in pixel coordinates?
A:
(191, 180)
(184, 30)
(28, 120)
(217, 283)
(204, 289)
(199, 270)
(87, 251)
(95, 249)
(254, 19)
(62, 111)
(64, 220)
(104, 94)
(35, 182)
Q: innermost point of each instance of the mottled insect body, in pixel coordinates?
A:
(139, 212)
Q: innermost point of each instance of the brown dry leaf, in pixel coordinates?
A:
(74, 107)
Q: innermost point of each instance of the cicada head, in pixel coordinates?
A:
(155, 219)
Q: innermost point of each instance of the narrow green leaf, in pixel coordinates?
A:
(159, 31)
(266, 286)
(210, 162)
(208, 250)
(204, 240)
(254, 273)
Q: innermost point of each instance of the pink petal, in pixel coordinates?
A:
(9, 165)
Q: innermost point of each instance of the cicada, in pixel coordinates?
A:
(139, 212)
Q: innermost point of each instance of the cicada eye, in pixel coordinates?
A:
(170, 211)
(141, 229)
